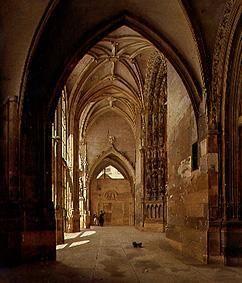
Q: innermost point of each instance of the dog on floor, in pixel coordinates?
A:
(137, 245)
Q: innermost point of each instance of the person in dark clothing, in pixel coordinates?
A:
(101, 218)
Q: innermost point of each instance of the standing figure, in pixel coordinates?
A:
(95, 219)
(101, 218)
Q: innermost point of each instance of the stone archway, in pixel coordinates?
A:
(35, 136)
(114, 154)
(27, 212)
(115, 196)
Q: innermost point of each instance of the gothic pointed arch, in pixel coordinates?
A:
(221, 55)
(46, 70)
(41, 89)
(127, 18)
(113, 156)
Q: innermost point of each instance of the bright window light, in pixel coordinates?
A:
(110, 172)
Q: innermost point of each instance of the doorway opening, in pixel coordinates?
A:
(111, 192)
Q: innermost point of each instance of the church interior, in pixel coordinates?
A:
(131, 109)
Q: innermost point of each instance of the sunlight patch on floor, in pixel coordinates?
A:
(87, 233)
(79, 243)
(71, 235)
(60, 247)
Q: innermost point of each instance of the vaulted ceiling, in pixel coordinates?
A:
(110, 76)
(188, 25)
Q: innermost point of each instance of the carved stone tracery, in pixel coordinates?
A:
(155, 159)
(220, 63)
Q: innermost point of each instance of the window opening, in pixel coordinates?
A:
(195, 156)
(110, 172)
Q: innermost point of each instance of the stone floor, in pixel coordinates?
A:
(106, 255)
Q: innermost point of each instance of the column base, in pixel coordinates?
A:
(39, 234)
(225, 243)
(10, 233)
(231, 235)
(74, 222)
(59, 215)
(38, 245)
(214, 243)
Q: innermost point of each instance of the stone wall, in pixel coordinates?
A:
(110, 124)
(187, 189)
(115, 198)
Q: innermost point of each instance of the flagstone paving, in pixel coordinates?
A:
(106, 254)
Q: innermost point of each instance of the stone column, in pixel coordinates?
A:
(138, 191)
(76, 189)
(210, 162)
(38, 231)
(10, 205)
(231, 233)
(59, 181)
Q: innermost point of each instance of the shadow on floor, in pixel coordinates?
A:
(43, 272)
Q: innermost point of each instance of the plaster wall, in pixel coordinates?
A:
(187, 189)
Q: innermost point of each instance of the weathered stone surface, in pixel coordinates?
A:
(187, 190)
(106, 254)
(109, 124)
(203, 207)
(114, 197)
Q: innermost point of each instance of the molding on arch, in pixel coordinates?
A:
(121, 159)
(33, 46)
(199, 41)
(230, 120)
(222, 50)
(126, 18)
(89, 39)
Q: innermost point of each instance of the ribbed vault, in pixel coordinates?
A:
(110, 76)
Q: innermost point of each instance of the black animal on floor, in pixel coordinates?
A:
(137, 245)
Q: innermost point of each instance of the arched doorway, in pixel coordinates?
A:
(111, 192)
